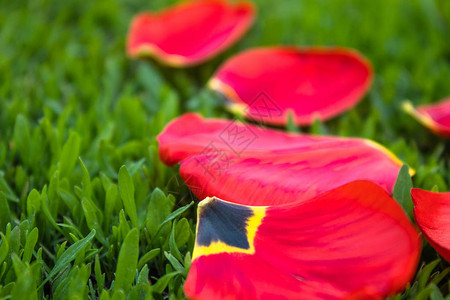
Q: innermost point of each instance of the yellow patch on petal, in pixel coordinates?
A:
(389, 153)
(422, 117)
(219, 246)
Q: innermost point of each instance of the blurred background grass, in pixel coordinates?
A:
(64, 74)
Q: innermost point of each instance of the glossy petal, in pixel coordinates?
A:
(435, 117)
(264, 84)
(190, 134)
(354, 241)
(284, 176)
(432, 215)
(217, 156)
(191, 32)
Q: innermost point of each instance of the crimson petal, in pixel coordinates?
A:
(353, 241)
(432, 215)
(264, 84)
(190, 134)
(284, 176)
(191, 32)
(435, 117)
(276, 167)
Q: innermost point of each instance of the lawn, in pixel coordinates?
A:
(78, 121)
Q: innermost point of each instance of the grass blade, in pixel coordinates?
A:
(69, 255)
(126, 188)
(127, 261)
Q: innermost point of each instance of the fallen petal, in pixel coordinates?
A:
(217, 157)
(281, 177)
(264, 84)
(191, 32)
(435, 117)
(354, 241)
(432, 215)
(190, 134)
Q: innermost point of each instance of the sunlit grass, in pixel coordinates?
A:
(74, 110)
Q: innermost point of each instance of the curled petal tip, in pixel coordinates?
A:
(435, 116)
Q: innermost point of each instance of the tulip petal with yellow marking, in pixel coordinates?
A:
(191, 134)
(265, 84)
(432, 215)
(435, 117)
(191, 32)
(217, 157)
(353, 241)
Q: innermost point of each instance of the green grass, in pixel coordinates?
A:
(78, 122)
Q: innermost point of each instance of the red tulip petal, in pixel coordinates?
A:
(435, 117)
(284, 176)
(190, 134)
(432, 215)
(191, 32)
(276, 166)
(266, 83)
(354, 241)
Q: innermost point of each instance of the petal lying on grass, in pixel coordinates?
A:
(190, 134)
(432, 215)
(285, 176)
(352, 241)
(435, 117)
(191, 32)
(265, 84)
(276, 166)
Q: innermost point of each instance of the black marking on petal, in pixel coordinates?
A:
(225, 222)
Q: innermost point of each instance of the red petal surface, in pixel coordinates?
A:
(191, 32)
(217, 156)
(266, 83)
(190, 134)
(432, 215)
(435, 117)
(352, 242)
(284, 176)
